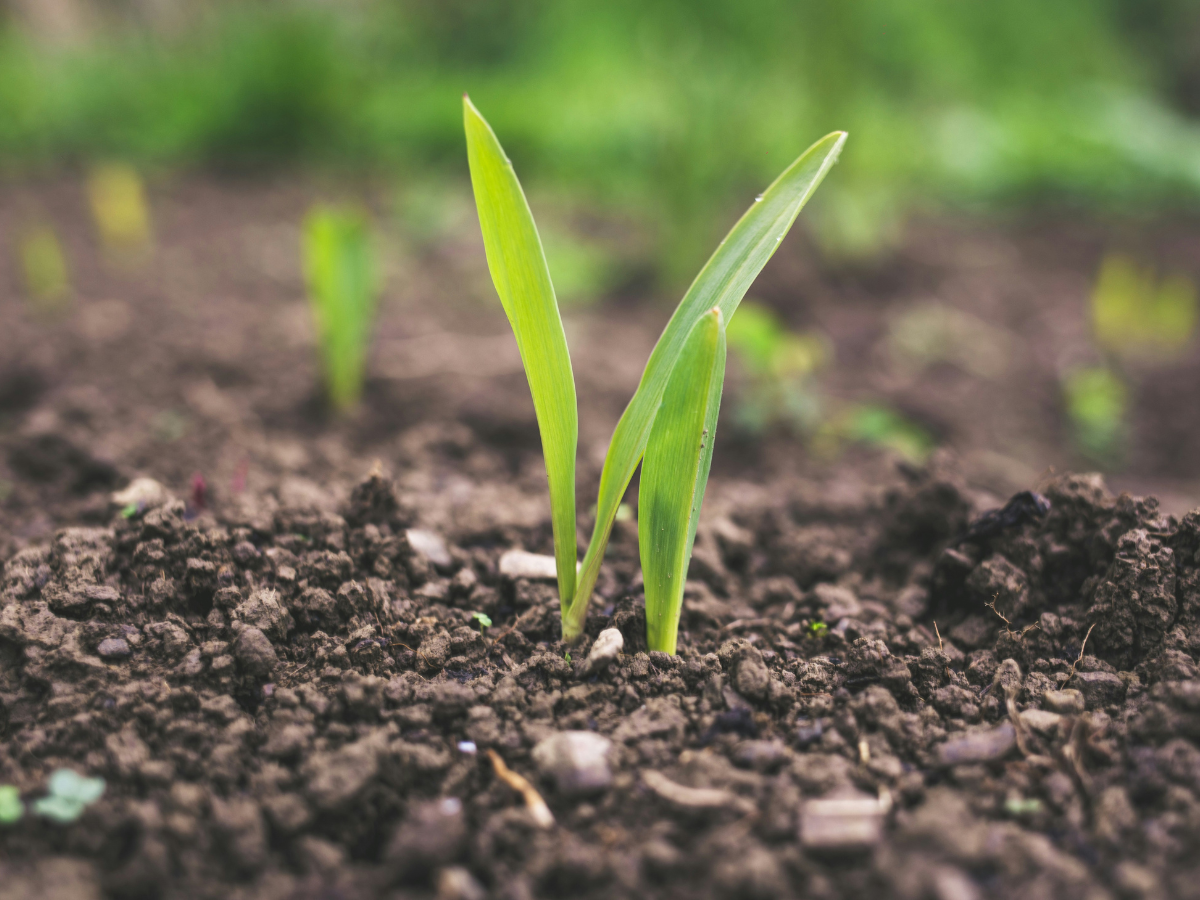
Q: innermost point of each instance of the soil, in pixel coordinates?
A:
(891, 681)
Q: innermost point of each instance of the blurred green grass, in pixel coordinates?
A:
(673, 111)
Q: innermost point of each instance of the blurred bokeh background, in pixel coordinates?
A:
(1003, 263)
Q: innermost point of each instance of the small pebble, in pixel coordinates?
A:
(113, 648)
(577, 761)
(853, 822)
(979, 746)
(761, 755)
(1099, 688)
(467, 747)
(609, 643)
(1041, 720)
(1068, 702)
(430, 545)
(519, 564)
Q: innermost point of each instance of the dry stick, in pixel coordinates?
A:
(1079, 658)
(938, 633)
(1007, 624)
(533, 800)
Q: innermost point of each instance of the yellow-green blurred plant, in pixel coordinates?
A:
(780, 366)
(1135, 314)
(44, 268)
(340, 273)
(1097, 400)
(119, 209)
(875, 425)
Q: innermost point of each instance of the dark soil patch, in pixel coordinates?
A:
(289, 697)
(298, 703)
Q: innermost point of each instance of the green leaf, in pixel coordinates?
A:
(522, 279)
(722, 283)
(341, 286)
(674, 473)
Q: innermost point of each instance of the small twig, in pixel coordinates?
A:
(938, 633)
(864, 752)
(1079, 658)
(1007, 624)
(533, 800)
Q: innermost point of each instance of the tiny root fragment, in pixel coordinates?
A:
(533, 800)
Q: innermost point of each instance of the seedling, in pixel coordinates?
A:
(44, 267)
(484, 620)
(671, 419)
(1097, 401)
(1135, 314)
(11, 807)
(818, 629)
(339, 270)
(119, 209)
(70, 794)
(780, 365)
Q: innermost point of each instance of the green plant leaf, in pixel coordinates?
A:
(340, 275)
(518, 266)
(674, 473)
(722, 283)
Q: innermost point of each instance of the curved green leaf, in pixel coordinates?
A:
(518, 267)
(675, 472)
(722, 283)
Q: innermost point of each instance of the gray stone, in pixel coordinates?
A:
(978, 746)
(430, 545)
(113, 648)
(143, 494)
(433, 833)
(1099, 688)
(1040, 720)
(519, 564)
(1068, 702)
(254, 653)
(853, 821)
(609, 643)
(577, 761)
(335, 779)
(764, 756)
(752, 678)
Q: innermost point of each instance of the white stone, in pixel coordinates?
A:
(144, 493)
(842, 823)
(430, 545)
(520, 564)
(1040, 720)
(576, 760)
(608, 645)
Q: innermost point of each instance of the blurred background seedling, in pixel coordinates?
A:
(69, 795)
(930, 333)
(44, 270)
(339, 269)
(1097, 401)
(874, 425)
(11, 807)
(1138, 315)
(117, 199)
(780, 368)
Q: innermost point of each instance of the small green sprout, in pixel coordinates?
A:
(484, 620)
(780, 366)
(1097, 401)
(818, 629)
(1135, 314)
(567, 657)
(70, 794)
(877, 426)
(671, 419)
(129, 511)
(11, 807)
(44, 266)
(339, 270)
(118, 201)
